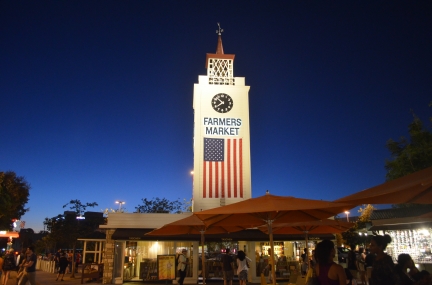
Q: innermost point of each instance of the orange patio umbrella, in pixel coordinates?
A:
(194, 226)
(325, 226)
(412, 188)
(269, 209)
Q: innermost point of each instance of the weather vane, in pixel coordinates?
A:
(219, 31)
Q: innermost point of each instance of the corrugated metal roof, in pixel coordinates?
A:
(394, 213)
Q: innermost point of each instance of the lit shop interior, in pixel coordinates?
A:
(415, 242)
(138, 260)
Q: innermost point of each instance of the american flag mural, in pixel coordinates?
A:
(223, 168)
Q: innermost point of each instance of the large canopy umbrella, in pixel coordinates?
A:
(194, 226)
(267, 209)
(325, 226)
(412, 188)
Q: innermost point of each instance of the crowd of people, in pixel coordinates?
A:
(241, 260)
(383, 269)
(24, 263)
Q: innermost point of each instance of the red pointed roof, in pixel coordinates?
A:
(219, 48)
(219, 51)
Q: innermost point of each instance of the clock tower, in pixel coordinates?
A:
(222, 166)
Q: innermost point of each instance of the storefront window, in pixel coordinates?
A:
(118, 259)
(140, 258)
(213, 257)
(416, 243)
(287, 255)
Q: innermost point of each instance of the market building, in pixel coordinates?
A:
(222, 176)
(131, 255)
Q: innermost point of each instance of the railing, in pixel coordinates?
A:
(45, 265)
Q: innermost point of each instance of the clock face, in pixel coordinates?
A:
(222, 103)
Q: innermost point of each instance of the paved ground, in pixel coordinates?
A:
(45, 278)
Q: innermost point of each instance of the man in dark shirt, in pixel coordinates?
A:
(227, 267)
(57, 259)
(30, 267)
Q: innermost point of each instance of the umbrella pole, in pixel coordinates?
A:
(203, 257)
(272, 262)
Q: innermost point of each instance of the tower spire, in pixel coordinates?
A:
(219, 48)
(220, 65)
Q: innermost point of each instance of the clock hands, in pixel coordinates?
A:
(222, 103)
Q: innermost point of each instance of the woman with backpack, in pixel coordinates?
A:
(9, 264)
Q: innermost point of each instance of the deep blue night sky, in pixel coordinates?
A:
(96, 96)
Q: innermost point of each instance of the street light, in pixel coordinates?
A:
(120, 204)
(347, 213)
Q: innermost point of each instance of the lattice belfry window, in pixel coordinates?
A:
(220, 71)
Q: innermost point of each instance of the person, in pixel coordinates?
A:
(63, 264)
(30, 267)
(69, 258)
(383, 269)
(77, 261)
(349, 277)
(369, 259)
(21, 268)
(361, 265)
(352, 258)
(405, 262)
(227, 267)
(305, 262)
(181, 267)
(57, 259)
(242, 267)
(313, 260)
(9, 264)
(327, 271)
(270, 266)
(424, 278)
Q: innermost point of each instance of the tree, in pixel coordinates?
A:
(352, 236)
(78, 207)
(44, 245)
(14, 193)
(67, 228)
(410, 155)
(157, 205)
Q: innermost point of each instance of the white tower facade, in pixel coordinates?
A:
(222, 165)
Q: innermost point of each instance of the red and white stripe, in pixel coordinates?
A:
(224, 179)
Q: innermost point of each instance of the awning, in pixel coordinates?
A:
(246, 235)
(400, 226)
(130, 234)
(424, 221)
